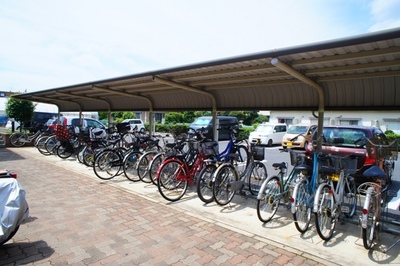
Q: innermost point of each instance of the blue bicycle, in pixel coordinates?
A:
(205, 179)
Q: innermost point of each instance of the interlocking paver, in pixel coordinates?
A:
(78, 220)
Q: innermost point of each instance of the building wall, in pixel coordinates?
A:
(386, 120)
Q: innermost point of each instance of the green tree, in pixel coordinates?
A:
(21, 111)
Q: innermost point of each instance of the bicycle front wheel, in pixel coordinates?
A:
(107, 164)
(154, 165)
(268, 203)
(243, 161)
(40, 145)
(204, 184)
(302, 208)
(143, 170)
(257, 176)
(17, 139)
(368, 233)
(51, 144)
(325, 221)
(172, 180)
(222, 187)
(64, 150)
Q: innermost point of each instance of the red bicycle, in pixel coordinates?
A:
(177, 172)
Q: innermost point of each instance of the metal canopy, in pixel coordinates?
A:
(357, 73)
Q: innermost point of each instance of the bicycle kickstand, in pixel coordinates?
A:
(389, 248)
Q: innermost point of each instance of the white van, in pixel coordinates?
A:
(268, 134)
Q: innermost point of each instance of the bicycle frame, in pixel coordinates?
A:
(190, 170)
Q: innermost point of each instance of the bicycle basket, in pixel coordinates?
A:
(123, 127)
(62, 133)
(381, 150)
(210, 148)
(257, 152)
(349, 165)
(296, 157)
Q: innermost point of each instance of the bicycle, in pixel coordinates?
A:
(205, 182)
(375, 192)
(227, 180)
(336, 197)
(277, 189)
(19, 139)
(177, 172)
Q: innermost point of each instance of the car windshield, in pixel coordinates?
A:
(265, 128)
(297, 130)
(202, 122)
(343, 136)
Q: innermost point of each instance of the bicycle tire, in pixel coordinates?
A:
(368, 233)
(171, 180)
(16, 139)
(204, 184)
(325, 221)
(350, 196)
(154, 165)
(107, 164)
(224, 176)
(65, 150)
(130, 162)
(52, 144)
(243, 159)
(41, 145)
(258, 174)
(143, 165)
(268, 202)
(302, 213)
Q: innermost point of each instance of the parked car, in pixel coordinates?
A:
(9, 124)
(136, 124)
(225, 122)
(350, 140)
(268, 134)
(302, 140)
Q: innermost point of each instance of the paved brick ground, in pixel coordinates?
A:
(76, 221)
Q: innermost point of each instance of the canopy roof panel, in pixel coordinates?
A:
(361, 72)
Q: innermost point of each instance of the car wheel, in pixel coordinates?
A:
(269, 143)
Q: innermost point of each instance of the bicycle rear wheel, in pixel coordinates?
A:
(130, 163)
(204, 184)
(302, 213)
(268, 203)
(257, 175)
(171, 181)
(222, 190)
(325, 221)
(17, 139)
(368, 233)
(107, 164)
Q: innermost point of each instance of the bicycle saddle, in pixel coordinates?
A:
(279, 165)
(375, 171)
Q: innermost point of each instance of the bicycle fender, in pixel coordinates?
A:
(263, 185)
(315, 208)
(219, 169)
(170, 159)
(367, 200)
(294, 196)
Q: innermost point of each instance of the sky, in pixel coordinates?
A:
(48, 44)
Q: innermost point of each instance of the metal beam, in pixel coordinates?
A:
(197, 90)
(133, 95)
(321, 95)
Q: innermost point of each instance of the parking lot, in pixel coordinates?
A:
(75, 214)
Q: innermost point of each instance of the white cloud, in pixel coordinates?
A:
(58, 43)
(385, 14)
